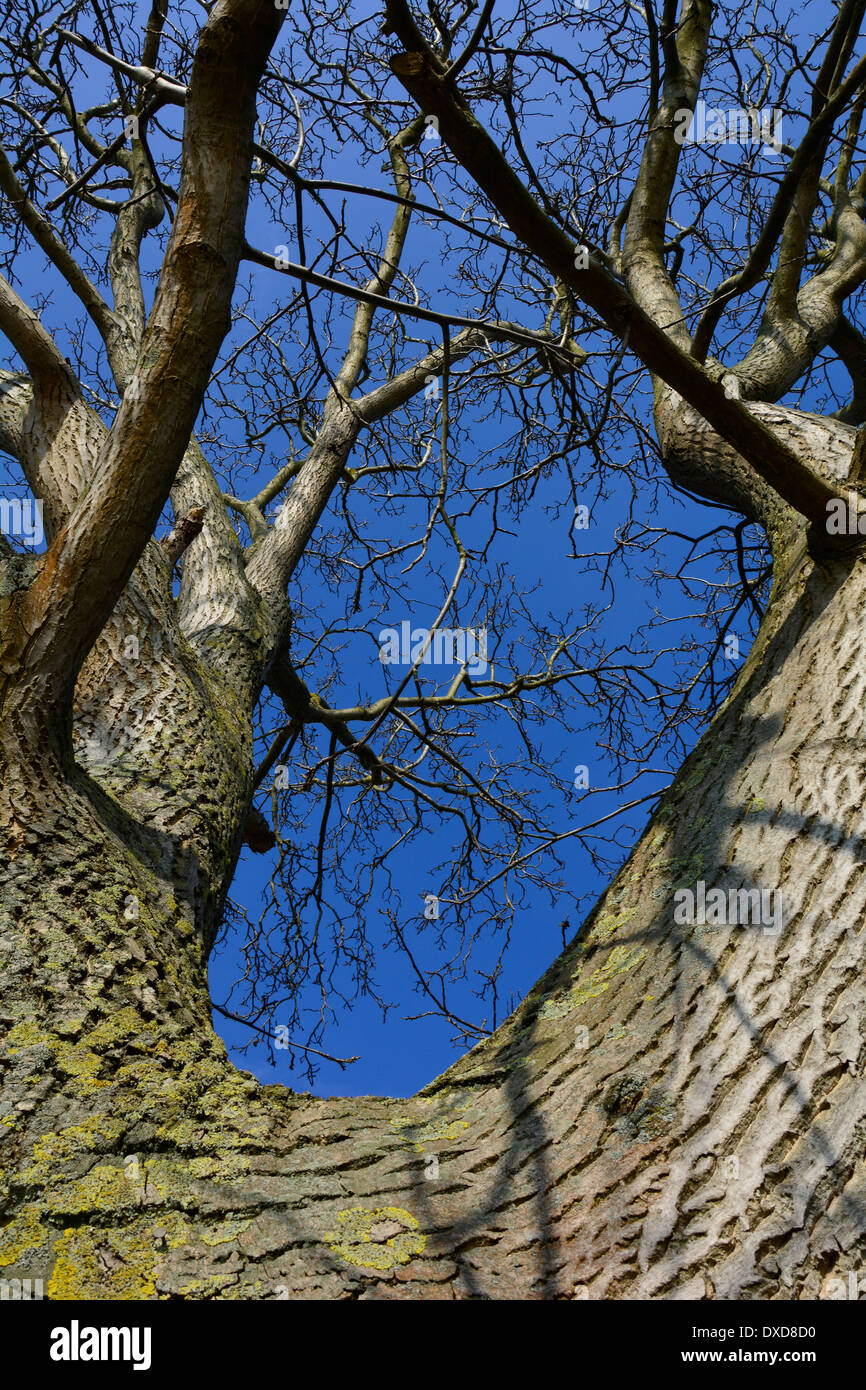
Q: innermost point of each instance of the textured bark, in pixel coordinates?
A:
(675, 1111)
(703, 1137)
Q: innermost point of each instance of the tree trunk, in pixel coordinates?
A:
(676, 1110)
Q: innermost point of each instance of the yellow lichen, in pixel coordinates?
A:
(104, 1188)
(353, 1239)
(65, 1144)
(445, 1128)
(120, 1263)
(25, 1232)
(621, 959)
(77, 1061)
(607, 924)
(224, 1231)
(224, 1166)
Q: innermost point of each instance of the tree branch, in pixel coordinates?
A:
(58, 253)
(777, 464)
(89, 562)
(182, 535)
(33, 343)
(16, 394)
(750, 273)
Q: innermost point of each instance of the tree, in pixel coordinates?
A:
(675, 1109)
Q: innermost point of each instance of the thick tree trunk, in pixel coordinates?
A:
(674, 1111)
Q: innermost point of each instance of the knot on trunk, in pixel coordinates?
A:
(186, 530)
(622, 1095)
(258, 835)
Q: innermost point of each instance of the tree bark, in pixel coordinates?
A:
(675, 1110)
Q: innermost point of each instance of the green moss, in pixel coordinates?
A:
(125, 1023)
(695, 777)
(69, 1027)
(26, 1034)
(689, 871)
(186, 1134)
